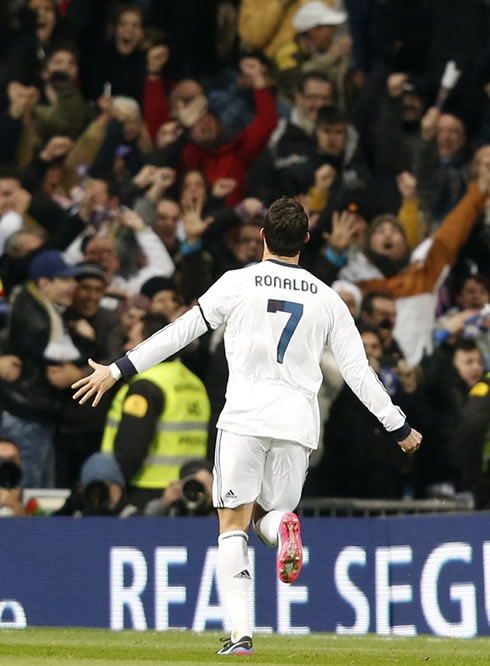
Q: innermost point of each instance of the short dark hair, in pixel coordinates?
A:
(367, 304)
(129, 9)
(195, 465)
(477, 277)
(465, 344)
(312, 76)
(153, 323)
(6, 439)
(9, 173)
(107, 177)
(69, 47)
(330, 115)
(370, 328)
(285, 227)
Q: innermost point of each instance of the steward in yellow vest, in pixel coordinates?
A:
(157, 422)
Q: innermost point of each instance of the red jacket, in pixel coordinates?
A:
(232, 159)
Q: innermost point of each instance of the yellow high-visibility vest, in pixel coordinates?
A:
(182, 429)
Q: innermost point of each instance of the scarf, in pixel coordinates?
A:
(60, 348)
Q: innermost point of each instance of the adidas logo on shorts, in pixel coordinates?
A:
(243, 574)
(230, 495)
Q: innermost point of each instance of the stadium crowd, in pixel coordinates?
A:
(140, 146)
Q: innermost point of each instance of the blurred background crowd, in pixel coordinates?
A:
(140, 146)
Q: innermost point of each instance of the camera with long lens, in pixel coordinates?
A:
(96, 499)
(10, 474)
(193, 500)
(91, 500)
(194, 496)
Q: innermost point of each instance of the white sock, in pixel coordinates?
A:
(235, 579)
(267, 528)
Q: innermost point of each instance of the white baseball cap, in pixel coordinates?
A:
(317, 13)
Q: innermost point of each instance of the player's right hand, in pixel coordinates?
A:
(411, 443)
(96, 384)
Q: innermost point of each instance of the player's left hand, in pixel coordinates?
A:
(411, 443)
(96, 384)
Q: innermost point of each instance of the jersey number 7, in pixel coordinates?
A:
(296, 312)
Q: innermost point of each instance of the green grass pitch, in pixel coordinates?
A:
(97, 647)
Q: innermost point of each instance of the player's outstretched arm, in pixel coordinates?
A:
(411, 443)
(96, 384)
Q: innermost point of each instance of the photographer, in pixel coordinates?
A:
(101, 491)
(190, 496)
(10, 480)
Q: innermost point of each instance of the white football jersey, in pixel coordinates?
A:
(278, 318)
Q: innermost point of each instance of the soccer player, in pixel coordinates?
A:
(278, 318)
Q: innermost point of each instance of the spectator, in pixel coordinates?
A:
(120, 62)
(350, 294)
(195, 190)
(269, 25)
(379, 309)
(155, 259)
(164, 297)
(166, 224)
(345, 238)
(231, 95)
(125, 142)
(442, 163)
(184, 92)
(219, 158)
(156, 108)
(208, 252)
(333, 169)
(99, 334)
(150, 420)
(45, 226)
(135, 309)
(50, 364)
(468, 316)
(450, 374)
(296, 136)
(387, 255)
(62, 111)
(100, 328)
(397, 134)
(314, 49)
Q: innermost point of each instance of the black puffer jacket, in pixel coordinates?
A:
(32, 396)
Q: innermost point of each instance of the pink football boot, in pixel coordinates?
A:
(290, 552)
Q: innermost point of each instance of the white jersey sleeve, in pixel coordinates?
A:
(213, 308)
(220, 299)
(347, 347)
(162, 344)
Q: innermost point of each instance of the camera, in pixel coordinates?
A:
(193, 500)
(90, 500)
(194, 495)
(10, 474)
(96, 499)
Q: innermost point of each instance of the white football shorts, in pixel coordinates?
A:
(268, 471)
